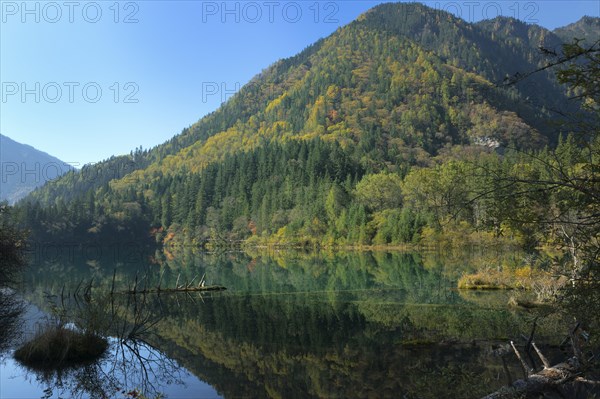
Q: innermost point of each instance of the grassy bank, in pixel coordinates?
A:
(59, 347)
(544, 284)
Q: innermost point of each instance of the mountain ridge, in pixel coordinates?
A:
(302, 60)
(586, 28)
(385, 93)
(24, 168)
(253, 94)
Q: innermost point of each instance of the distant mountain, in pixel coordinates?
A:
(396, 88)
(587, 28)
(24, 168)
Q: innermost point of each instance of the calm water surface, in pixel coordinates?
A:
(290, 324)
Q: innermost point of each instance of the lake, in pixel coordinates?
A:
(290, 324)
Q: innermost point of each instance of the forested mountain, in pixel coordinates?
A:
(364, 137)
(586, 28)
(24, 168)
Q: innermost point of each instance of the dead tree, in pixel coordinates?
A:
(549, 378)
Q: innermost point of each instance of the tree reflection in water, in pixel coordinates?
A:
(11, 309)
(307, 325)
(130, 367)
(11, 263)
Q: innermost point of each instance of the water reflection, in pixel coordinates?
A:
(129, 369)
(10, 266)
(311, 345)
(131, 366)
(297, 324)
(11, 309)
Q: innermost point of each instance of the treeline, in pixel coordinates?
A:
(386, 132)
(399, 89)
(12, 244)
(315, 193)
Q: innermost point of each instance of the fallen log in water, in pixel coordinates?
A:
(549, 379)
(188, 287)
(178, 289)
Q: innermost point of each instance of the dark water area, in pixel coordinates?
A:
(290, 324)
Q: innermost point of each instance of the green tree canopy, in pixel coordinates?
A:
(380, 191)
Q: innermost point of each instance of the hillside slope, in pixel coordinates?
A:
(587, 28)
(24, 168)
(372, 56)
(397, 88)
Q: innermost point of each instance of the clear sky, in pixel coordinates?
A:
(84, 80)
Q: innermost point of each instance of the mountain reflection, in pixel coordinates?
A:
(297, 325)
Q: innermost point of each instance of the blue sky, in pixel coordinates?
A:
(84, 80)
